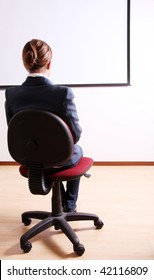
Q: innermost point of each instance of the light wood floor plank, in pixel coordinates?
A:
(123, 197)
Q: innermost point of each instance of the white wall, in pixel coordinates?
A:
(118, 123)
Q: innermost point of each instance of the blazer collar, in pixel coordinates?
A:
(37, 81)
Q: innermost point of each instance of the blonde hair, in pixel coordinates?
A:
(36, 54)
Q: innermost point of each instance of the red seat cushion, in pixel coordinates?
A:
(68, 174)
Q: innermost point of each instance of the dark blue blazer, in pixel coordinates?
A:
(41, 93)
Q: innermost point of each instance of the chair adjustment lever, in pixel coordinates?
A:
(87, 175)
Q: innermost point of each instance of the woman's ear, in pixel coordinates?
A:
(48, 65)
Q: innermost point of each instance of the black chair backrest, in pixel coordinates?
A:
(39, 136)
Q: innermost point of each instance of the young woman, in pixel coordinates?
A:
(38, 92)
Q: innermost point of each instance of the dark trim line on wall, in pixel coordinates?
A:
(81, 85)
(99, 163)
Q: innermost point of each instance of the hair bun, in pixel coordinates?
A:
(36, 54)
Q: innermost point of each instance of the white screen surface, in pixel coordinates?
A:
(88, 39)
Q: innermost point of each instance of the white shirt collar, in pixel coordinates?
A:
(38, 75)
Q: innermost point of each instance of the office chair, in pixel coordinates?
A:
(38, 141)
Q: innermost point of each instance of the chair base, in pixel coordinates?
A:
(59, 220)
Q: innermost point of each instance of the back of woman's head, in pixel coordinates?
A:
(36, 54)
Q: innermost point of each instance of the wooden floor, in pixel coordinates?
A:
(123, 197)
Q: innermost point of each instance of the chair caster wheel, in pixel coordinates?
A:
(99, 224)
(26, 221)
(79, 249)
(26, 247)
(57, 227)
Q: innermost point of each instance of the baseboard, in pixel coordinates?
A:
(8, 163)
(102, 163)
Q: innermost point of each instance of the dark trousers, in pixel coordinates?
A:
(70, 193)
